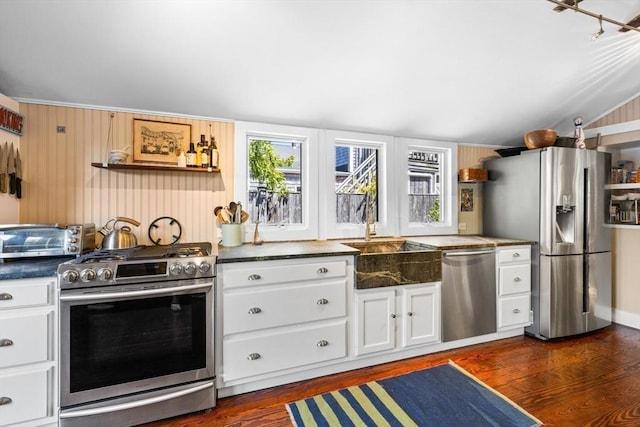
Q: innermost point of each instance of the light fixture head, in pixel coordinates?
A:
(600, 32)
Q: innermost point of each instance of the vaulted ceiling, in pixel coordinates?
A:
(472, 71)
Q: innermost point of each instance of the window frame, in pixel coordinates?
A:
(448, 186)
(308, 229)
(330, 227)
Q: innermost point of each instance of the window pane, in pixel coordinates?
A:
(424, 186)
(275, 181)
(356, 184)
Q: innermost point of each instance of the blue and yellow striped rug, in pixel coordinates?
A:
(444, 395)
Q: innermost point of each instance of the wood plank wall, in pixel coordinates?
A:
(60, 185)
(625, 113)
(471, 157)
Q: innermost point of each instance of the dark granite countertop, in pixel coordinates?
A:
(282, 250)
(457, 241)
(31, 267)
(319, 248)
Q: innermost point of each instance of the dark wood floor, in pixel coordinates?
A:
(592, 380)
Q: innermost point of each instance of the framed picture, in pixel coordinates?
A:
(466, 200)
(159, 142)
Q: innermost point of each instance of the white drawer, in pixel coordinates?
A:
(26, 294)
(28, 338)
(248, 357)
(519, 254)
(235, 276)
(514, 311)
(285, 305)
(28, 392)
(514, 279)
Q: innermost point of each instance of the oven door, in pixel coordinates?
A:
(120, 340)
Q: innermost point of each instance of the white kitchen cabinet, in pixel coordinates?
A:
(281, 316)
(414, 310)
(28, 348)
(513, 272)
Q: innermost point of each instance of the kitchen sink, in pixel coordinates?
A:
(384, 263)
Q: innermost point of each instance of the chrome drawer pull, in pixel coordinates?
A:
(516, 255)
(323, 270)
(516, 279)
(393, 316)
(5, 342)
(253, 356)
(255, 310)
(5, 297)
(254, 277)
(322, 343)
(322, 301)
(409, 314)
(4, 400)
(516, 311)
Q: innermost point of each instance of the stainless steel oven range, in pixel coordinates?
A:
(136, 335)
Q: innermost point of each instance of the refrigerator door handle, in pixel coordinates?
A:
(585, 244)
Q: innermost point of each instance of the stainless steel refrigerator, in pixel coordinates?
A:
(555, 197)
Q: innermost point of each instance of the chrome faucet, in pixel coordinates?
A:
(368, 232)
(368, 229)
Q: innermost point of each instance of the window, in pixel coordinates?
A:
(424, 186)
(428, 196)
(277, 179)
(354, 184)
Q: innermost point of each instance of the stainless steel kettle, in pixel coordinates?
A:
(121, 238)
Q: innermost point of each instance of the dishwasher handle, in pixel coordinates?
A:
(455, 254)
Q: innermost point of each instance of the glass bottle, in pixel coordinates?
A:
(191, 156)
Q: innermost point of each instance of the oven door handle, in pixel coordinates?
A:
(73, 413)
(118, 295)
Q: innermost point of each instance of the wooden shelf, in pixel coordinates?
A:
(149, 167)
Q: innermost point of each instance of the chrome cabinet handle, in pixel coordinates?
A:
(322, 301)
(393, 316)
(5, 342)
(255, 310)
(4, 400)
(517, 279)
(323, 270)
(516, 255)
(254, 277)
(516, 311)
(5, 297)
(254, 356)
(410, 314)
(322, 343)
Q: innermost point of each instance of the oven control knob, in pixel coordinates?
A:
(70, 276)
(175, 269)
(204, 267)
(105, 274)
(87, 275)
(190, 268)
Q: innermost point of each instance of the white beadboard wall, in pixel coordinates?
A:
(470, 157)
(60, 185)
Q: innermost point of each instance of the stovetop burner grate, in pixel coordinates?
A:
(179, 250)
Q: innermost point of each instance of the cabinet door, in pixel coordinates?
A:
(26, 337)
(375, 321)
(420, 315)
(30, 392)
(513, 311)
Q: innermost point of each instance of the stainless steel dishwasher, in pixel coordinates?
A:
(468, 293)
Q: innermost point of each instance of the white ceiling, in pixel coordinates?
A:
(472, 71)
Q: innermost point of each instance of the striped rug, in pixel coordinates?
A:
(444, 395)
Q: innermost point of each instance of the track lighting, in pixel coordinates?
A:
(594, 36)
(573, 5)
